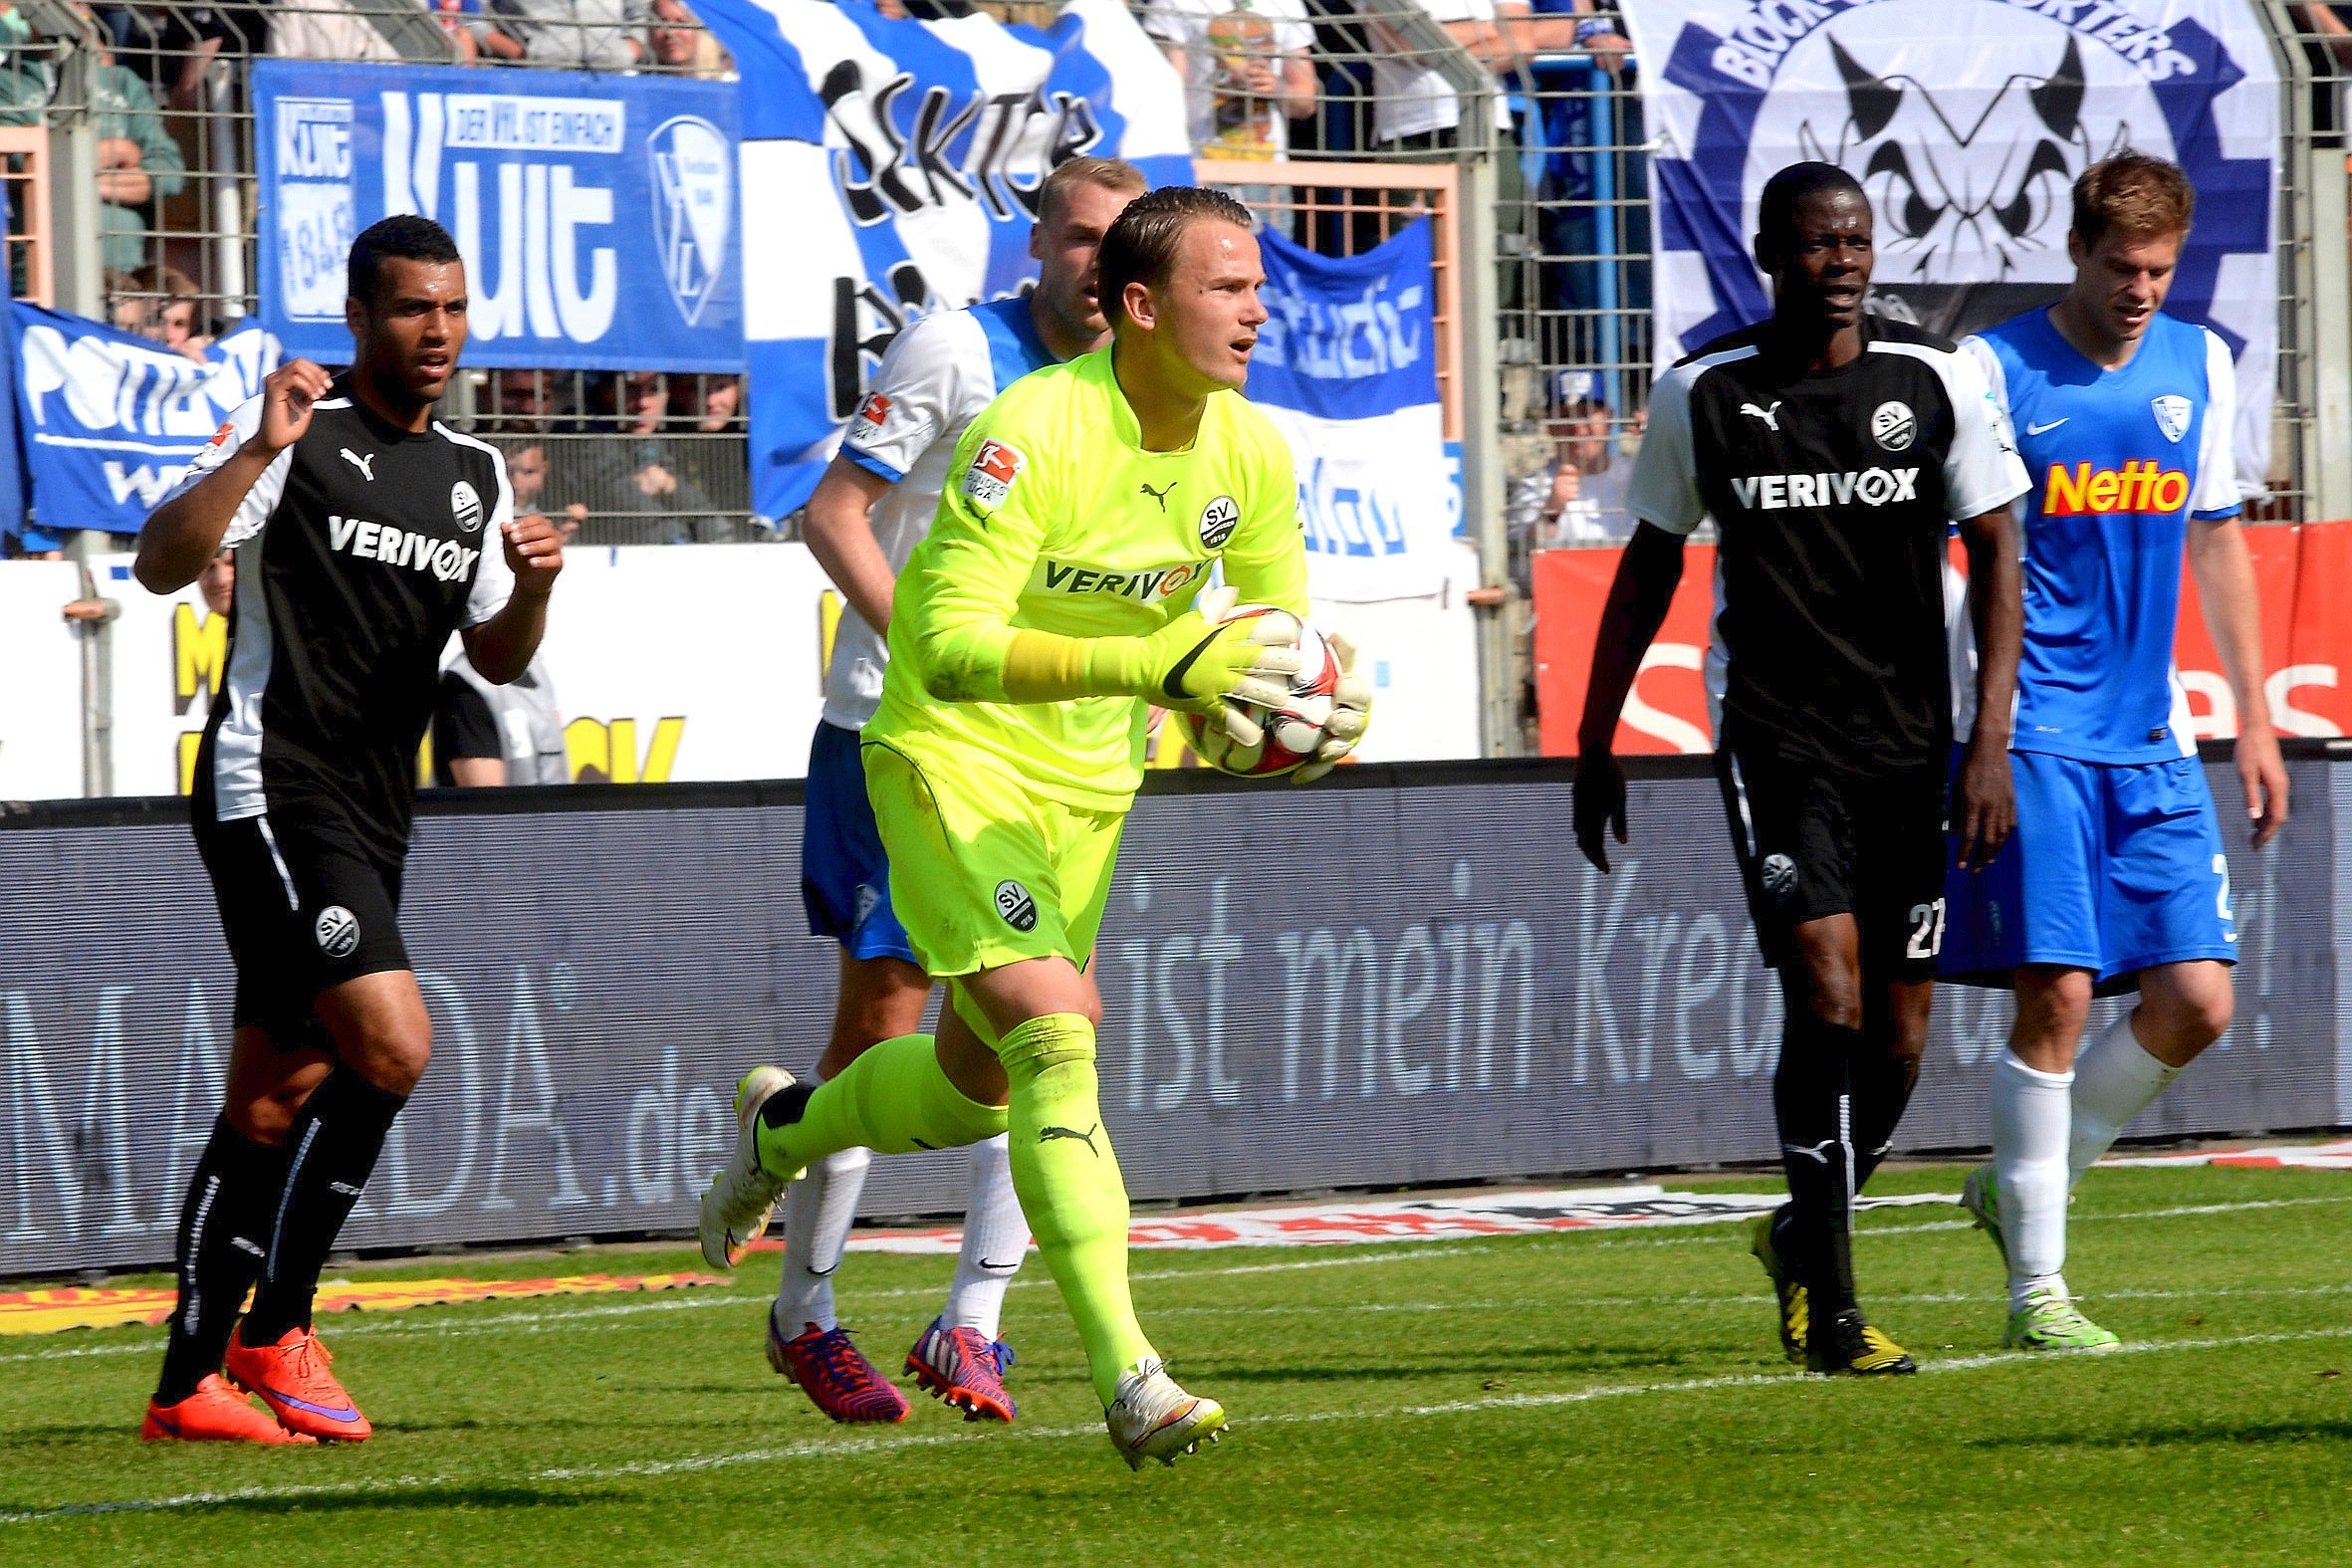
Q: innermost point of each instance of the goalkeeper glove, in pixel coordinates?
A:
(1351, 713)
(1200, 659)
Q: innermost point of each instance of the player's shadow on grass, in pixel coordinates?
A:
(390, 1499)
(2218, 1432)
(61, 1435)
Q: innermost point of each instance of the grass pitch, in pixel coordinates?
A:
(1606, 1396)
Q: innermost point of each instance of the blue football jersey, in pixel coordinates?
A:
(2120, 461)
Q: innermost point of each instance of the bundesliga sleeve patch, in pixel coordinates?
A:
(990, 478)
(873, 414)
(221, 436)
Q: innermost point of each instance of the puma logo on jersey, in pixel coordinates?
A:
(1770, 417)
(1872, 486)
(1149, 587)
(445, 559)
(365, 465)
(1160, 495)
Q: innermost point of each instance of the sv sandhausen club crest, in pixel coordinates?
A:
(1893, 426)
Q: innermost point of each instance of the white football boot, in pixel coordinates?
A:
(1150, 1417)
(735, 1210)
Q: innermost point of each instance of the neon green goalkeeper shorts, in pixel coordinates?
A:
(984, 871)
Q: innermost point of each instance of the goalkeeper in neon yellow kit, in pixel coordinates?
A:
(1050, 604)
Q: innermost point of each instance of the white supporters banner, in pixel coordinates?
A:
(890, 168)
(41, 694)
(1967, 120)
(670, 665)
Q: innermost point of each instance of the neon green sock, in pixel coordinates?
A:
(892, 1099)
(1067, 1180)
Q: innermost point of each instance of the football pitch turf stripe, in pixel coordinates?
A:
(848, 1448)
(1351, 1257)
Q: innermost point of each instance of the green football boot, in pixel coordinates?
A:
(2049, 1321)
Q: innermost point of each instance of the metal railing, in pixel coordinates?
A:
(633, 458)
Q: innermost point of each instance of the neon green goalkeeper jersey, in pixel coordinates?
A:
(1055, 519)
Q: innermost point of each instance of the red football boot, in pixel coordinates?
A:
(215, 1412)
(291, 1377)
(834, 1374)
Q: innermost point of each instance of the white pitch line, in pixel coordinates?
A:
(1352, 1256)
(848, 1448)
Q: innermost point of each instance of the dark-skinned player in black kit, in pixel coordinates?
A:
(365, 532)
(1834, 449)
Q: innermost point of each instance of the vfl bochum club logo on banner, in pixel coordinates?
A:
(1966, 121)
(693, 208)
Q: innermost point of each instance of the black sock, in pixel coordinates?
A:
(1882, 1083)
(224, 1233)
(336, 1141)
(1814, 1104)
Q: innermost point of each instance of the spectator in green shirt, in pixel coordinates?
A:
(139, 163)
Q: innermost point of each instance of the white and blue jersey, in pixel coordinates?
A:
(934, 379)
(2120, 461)
(2117, 862)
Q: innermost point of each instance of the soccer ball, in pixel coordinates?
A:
(1292, 730)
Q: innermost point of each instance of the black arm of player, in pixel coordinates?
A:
(1647, 577)
(184, 533)
(1988, 807)
(501, 647)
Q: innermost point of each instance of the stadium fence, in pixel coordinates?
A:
(1548, 154)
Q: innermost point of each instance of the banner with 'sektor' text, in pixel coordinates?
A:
(1459, 997)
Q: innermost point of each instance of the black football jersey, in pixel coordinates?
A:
(359, 551)
(1832, 494)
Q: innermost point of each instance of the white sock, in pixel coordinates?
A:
(2030, 1120)
(819, 1210)
(996, 1238)
(2115, 1079)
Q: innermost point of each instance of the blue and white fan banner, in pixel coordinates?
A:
(1346, 366)
(890, 168)
(1967, 120)
(111, 421)
(596, 212)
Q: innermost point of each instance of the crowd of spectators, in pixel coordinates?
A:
(634, 458)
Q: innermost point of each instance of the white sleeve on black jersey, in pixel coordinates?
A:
(262, 499)
(494, 580)
(1982, 471)
(2216, 496)
(1664, 490)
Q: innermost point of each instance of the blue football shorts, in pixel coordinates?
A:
(845, 875)
(2114, 868)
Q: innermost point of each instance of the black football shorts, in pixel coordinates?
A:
(1815, 842)
(303, 907)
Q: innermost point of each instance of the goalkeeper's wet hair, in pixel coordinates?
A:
(1141, 244)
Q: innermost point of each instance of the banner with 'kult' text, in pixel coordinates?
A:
(597, 213)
